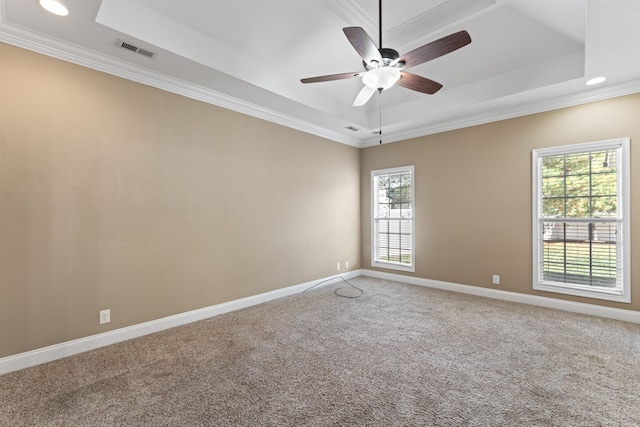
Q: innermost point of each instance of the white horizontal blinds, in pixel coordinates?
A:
(394, 241)
(393, 217)
(568, 256)
(579, 224)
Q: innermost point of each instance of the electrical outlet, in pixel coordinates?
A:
(346, 265)
(338, 266)
(105, 316)
(496, 279)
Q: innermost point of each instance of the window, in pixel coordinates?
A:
(581, 232)
(392, 222)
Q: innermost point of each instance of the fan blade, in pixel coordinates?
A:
(331, 77)
(363, 44)
(363, 96)
(418, 83)
(435, 49)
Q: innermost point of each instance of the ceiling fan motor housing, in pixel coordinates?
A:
(388, 56)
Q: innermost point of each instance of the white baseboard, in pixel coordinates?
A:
(575, 307)
(69, 348)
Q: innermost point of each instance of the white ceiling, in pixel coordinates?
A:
(526, 56)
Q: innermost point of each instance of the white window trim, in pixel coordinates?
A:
(390, 265)
(624, 200)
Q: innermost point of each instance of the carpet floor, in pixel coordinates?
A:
(398, 355)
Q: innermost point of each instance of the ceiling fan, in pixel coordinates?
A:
(384, 67)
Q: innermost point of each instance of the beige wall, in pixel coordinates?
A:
(473, 193)
(121, 196)
(117, 195)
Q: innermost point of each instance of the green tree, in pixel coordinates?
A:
(580, 185)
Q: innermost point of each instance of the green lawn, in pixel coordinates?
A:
(580, 262)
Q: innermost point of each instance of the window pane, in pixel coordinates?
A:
(604, 207)
(580, 253)
(578, 185)
(395, 181)
(382, 201)
(553, 166)
(405, 210)
(580, 222)
(577, 164)
(393, 224)
(578, 207)
(604, 161)
(553, 207)
(553, 187)
(394, 241)
(405, 179)
(604, 184)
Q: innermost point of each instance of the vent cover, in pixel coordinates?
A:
(352, 128)
(136, 49)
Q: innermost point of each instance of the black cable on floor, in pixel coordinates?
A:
(336, 291)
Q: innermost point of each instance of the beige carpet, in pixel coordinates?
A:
(397, 355)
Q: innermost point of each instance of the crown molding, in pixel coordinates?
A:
(39, 43)
(353, 13)
(409, 34)
(601, 94)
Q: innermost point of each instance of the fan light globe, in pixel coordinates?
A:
(381, 78)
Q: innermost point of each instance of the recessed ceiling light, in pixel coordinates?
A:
(595, 80)
(54, 6)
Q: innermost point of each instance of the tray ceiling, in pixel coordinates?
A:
(247, 55)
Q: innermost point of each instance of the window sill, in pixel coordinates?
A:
(582, 291)
(392, 266)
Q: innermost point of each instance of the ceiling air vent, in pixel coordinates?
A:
(136, 49)
(352, 128)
